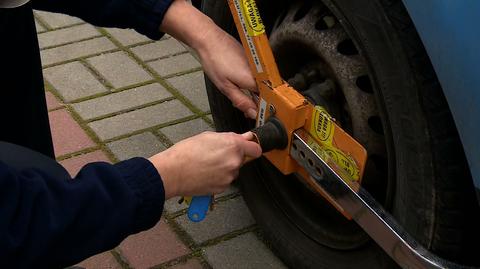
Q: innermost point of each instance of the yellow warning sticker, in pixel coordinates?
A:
(322, 126)
(252, 15)
(323, 130)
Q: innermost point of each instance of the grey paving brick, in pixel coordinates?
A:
(119, 69)
(73, 81)
(141, 145)
(244, 251)
(39, 27)
(126, 36)
(139, 119)
(175, 64)
(67, 35)
(56, 20)
(184, 130)
(227, 217)
(116, 102)
(158, 49)
(76, 50)
(192, 86)
(172, 205)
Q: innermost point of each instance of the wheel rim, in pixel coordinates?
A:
(320, 60)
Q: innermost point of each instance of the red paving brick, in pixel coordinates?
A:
(67, 135)
(52, 101)
(190, 264)
(101, 261)
(73, 165)
(153, 247)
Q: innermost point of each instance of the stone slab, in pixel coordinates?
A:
(119, 69)
(175, 64)
(244, 251)
(126, 36)
(178, 132)
(73, 81)
(189, 264)
(158, 49)
(141, 145)
(140, 119)
(76, 50)
(193, 87)
(52, 101)
(119, 101)
(56, 20)
(101, 261)
(66, 35)
(153, 247)
(68, 136)
(227, 217)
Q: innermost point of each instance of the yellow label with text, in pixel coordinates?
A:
(323, 130)
(322, 126)
(254, 22)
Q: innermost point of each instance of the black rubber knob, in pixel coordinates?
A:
(272, 135)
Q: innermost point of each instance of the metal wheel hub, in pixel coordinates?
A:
(320, 60)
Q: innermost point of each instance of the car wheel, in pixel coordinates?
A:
(364, 62)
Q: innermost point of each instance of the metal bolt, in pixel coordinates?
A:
(272, 110)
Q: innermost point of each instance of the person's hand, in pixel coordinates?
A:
(222, 57)
(224, 61)
(204, 164)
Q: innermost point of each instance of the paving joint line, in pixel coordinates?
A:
(85, 57)
(42, 22)
(130, 109)
(90, 133)
(182, 259)
(53, 29)
(182, 73)
(167, 56)
(122, 261)
(151, 128)
(70, 42)
(186, 239)
(106, 93)
(77, 153)
(152, 72)
(228, 236)
(104, 81)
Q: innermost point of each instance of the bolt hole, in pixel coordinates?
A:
(325, 23)
(302, 154)
(302, 11)
(310, 162)
(375, 124)
(346, 47)
(364, 84)
(319, 171)
(294, 146)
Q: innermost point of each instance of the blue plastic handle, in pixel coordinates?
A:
(198, 207)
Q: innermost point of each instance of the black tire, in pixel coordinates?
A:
(431, 190)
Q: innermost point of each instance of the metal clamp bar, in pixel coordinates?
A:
(367, 212)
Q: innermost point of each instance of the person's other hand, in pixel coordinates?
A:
(204, 164)
(222, 57)
(225, 63)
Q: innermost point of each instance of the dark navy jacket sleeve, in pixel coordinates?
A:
(49, 220)
(145, 16)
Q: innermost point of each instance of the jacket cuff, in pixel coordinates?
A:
(151, 17)
(147, 185)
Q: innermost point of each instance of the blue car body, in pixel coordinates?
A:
(450, 32)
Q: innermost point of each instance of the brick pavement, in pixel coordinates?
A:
(113, 94)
